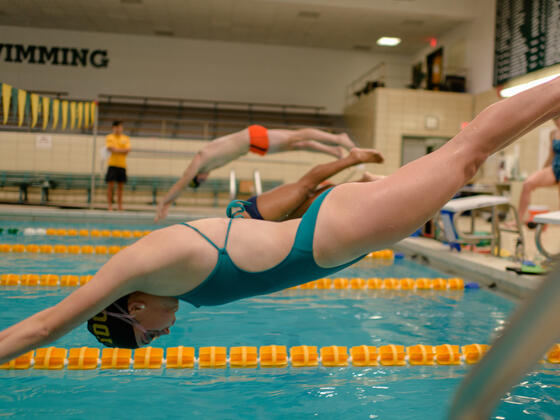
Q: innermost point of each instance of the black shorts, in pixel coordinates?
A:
(114, 173)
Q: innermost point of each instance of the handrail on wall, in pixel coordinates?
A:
(533, 328)
(356, 84)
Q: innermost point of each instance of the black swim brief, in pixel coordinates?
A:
(252, 208)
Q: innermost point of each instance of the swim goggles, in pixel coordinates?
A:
(147, 335)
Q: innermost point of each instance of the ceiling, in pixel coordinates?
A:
(336, 24)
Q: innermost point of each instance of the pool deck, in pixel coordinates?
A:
(136, 215)
(484, 269)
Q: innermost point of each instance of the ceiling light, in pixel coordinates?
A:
(514, 90)
(388, 41)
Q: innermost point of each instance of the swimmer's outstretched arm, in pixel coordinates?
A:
(192, 170)
(360, 217)
(144, 266)
(110, 283)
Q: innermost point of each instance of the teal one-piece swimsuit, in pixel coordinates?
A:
(227, 282)
(556, 160)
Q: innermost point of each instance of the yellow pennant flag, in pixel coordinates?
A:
(80, 114)
(22, 97)
(86, 115)
(64, 114)
(6, 99)
(34, 109)
(72, 115)
(93, 106)
(55, 112)
(46, 105)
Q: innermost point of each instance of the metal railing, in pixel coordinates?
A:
(257, 182)
(376, 73)
(532, 329)
(232, 185)
(207, 119)
(248, 106)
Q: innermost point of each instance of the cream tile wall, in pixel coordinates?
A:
(360, 118)
(402, 112)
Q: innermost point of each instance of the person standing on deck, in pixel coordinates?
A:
(119, 146)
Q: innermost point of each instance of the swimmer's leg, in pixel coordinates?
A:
(543, 178)
(315, 146)
(300, 211)
(110, 187)
(120, 187)
(321, 136)
(359, 217)
(278, 203)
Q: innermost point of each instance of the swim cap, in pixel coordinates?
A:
(112, 331)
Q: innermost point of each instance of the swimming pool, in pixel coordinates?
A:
(291, 318)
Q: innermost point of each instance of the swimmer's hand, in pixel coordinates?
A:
(162, 210)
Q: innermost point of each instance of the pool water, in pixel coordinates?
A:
(312, 317)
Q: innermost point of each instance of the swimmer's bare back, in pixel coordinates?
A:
(221, 151)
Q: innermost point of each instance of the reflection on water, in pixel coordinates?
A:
(294, 317)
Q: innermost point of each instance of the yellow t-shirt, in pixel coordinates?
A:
(120, 142)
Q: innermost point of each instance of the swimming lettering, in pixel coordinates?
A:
(58, 56)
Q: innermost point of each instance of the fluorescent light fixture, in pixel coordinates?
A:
(514, 90)
(388, 41)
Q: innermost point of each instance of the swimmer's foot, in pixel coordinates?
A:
(346, 141)
(369, 177)
(341, 151)
(366, 155)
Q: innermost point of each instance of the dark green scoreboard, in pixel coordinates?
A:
(527, 37)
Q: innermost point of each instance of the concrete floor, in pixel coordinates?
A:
(132, 214)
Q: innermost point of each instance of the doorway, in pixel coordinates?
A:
(416, 147)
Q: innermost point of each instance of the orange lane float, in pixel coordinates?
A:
(304, 356)
(364, 356)
(212, 357)
(271, 356)
(243, 357)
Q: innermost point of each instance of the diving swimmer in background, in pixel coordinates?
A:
(133, 297)
(291, 201)
(547, 176)
(256, 139)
